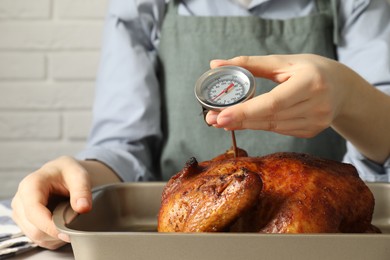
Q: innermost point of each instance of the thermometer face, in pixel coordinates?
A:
(224, 86)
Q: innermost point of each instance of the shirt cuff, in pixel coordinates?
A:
(121, 162)
(368, 170)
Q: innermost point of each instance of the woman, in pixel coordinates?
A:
(153, 54)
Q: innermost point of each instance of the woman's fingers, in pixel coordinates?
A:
(303, 104)
(32, 202)
(274, 105)
(269, 67)
(32, 221)
(78, 183)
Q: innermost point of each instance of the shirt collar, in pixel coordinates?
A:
(251, 3)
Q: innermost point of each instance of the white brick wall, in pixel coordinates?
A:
(49, 53)
(49, 50)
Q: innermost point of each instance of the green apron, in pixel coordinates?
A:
(187, 45)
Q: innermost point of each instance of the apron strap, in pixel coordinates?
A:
(331, 7)
(336, 24)
(174, 4)
(323, 5)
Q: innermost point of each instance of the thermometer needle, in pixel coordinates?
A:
(235, 150)
(226, 90)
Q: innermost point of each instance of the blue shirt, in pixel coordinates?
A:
(126, 117)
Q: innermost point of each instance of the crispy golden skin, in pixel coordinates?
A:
(278, 193)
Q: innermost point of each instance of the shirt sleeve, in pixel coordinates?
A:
(126, 133)
(365, 47)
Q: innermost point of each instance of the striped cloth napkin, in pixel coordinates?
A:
(12, 240)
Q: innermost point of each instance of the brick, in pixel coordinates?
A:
(46, 95)
(9, 180)
(22, 9)
(71, 9)
(51, 35)
(70, 66)
(29, 125)
(77, 125)
(22, 66)
(27, 155)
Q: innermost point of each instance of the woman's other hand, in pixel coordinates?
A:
(63, 177)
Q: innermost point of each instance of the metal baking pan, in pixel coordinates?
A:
(122, 225)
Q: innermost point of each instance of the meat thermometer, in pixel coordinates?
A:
(223, 87)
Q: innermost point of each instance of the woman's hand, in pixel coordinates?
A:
(64, 177)
(305, 102)
(313, 93)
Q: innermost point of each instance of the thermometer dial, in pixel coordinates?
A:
(224, 86)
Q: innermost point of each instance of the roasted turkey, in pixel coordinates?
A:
(277, 193)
